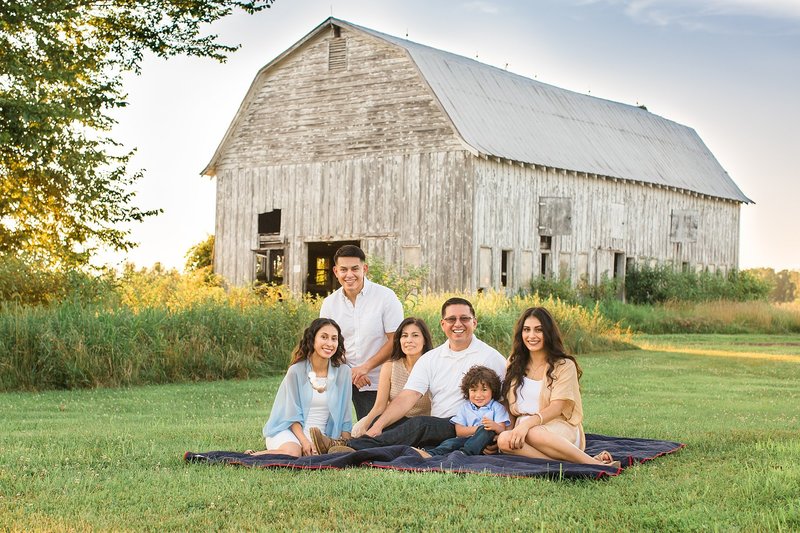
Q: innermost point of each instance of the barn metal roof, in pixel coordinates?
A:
(501, 114)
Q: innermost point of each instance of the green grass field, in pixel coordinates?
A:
(111, 459)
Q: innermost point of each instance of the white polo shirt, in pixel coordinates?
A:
(364, 325)
(441, 371)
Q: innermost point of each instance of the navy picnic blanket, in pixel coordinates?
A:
(628, 451)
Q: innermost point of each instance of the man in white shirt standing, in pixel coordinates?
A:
(368, 315)
(438, 371)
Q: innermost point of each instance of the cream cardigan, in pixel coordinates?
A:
(564, 387)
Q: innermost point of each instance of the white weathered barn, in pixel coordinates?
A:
(424, 157)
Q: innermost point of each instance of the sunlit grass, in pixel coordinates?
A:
(111, 459)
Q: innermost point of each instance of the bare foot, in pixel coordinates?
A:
(604, 457)
(422, 453)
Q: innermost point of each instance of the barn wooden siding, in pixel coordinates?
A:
(362, 154)
(391, 204)
(301, 112)
(343, 135)
(608, 216)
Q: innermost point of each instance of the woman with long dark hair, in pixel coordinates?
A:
(315, 392)
(411, 340)
(543, 395)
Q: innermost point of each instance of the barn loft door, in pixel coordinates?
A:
(320, 280)
(555, 216)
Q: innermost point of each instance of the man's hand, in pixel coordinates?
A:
(359, 374)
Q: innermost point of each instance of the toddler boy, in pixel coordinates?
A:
(480, 419)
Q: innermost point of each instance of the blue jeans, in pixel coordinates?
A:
(415, 431)
(472, 445)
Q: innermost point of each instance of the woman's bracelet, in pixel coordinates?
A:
(541, 418)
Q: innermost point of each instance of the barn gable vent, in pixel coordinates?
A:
(337, 54)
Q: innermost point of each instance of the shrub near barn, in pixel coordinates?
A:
(646, 285)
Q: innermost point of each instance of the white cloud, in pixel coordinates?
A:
(709, 15)
(482, 7)
(757, 8)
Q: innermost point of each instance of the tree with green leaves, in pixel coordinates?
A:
(65, 187)
(201, 255)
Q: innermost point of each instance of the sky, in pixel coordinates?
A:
(730, 69)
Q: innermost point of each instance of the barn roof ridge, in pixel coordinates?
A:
(501, 114)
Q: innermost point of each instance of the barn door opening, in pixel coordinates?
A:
(320, 280)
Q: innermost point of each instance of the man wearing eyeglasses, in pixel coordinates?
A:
(438, 371)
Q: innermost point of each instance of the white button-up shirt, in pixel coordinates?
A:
(377, 311)
(441, 371)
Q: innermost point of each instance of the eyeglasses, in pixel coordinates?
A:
(453, 319)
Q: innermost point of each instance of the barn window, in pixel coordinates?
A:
(684, 224)
(505, 268)
(269, 223)
(269, 266)
(619, 265)
(546, 266)
(337, 53)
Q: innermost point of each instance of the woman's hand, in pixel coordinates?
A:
(305, 444)
(517, 439)
(359, 428)
(374, 431)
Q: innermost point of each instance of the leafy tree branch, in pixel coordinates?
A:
(65, 187)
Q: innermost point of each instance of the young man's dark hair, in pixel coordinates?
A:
(481, 374)
(349, 250)
(457, 301)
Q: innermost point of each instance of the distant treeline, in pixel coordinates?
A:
(785, 285)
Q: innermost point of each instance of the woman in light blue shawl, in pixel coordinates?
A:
(315, 392)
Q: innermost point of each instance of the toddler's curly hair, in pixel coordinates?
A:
(481, 374)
